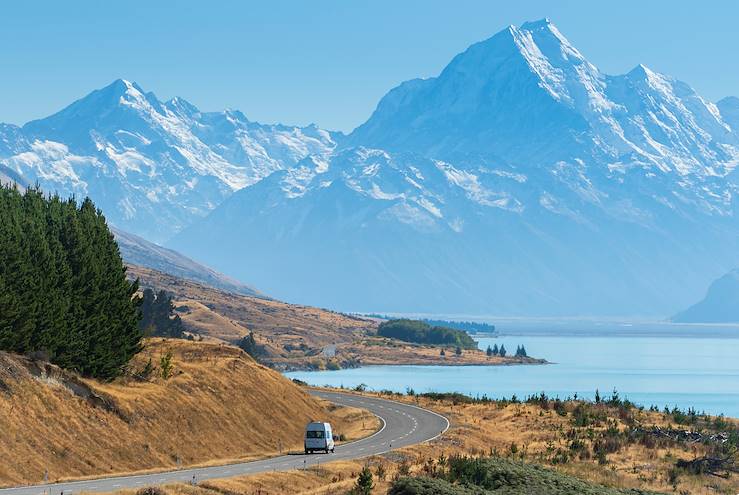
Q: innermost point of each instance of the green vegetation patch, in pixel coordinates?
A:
(420, 332)
(492, 475)
(467, 326)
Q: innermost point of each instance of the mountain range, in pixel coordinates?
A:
(521, 180)
(152, 166)
(720, 305)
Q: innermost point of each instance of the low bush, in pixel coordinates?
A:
(492, 475)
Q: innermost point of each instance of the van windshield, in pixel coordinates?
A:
(313, 434)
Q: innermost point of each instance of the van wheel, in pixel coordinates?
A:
(306, 451)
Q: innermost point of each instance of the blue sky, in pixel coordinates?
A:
(326, 61)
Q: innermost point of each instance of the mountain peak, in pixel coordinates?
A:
(121, 87)
(544, 23)
(641, 70)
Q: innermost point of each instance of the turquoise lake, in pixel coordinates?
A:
(664, 370)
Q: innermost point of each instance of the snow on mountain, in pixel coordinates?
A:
(527, 96)
(521, 180)
(152, 166)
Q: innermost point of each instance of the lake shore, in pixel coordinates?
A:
(695, 372)
(375, 351)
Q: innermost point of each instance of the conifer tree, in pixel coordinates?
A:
(63, 287)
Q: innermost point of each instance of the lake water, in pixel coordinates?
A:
(665, 370)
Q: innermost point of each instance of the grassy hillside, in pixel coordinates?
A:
(295, 336)
(218, 404)
(540, 446)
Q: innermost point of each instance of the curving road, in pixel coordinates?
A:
(403, 425)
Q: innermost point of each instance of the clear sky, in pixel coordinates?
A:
(327, 61)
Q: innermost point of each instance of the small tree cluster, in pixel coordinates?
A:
(158, 318)
(502, 352)
(249, 345)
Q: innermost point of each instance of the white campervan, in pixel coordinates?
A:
(318, 436)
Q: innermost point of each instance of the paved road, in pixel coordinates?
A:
(403, 425)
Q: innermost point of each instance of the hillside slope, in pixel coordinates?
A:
(721, 304)
(292, 336)
(219, 404)
(227, 316)
(136, 250)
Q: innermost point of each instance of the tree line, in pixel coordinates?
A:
(467, 326)
(502, 351)
(422, 333)
(63, 287)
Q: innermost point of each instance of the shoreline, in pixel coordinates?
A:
(411, 362)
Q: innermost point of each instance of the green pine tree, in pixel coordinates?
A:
(63, 287)
(365, 484)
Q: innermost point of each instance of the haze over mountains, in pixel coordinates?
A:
(520, 181)
(721, 304)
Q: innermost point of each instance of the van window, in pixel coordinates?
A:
(314, 434)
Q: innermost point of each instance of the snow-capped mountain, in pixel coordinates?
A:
(152, 166)
(521, 180)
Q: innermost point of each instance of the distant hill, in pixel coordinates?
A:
(138, 251)
(721, 304)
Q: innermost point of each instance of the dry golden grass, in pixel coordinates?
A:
(479, 429)
(229, 317)
(218, 406)
(294, 336)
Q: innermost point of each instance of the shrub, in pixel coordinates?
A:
(166, 366)
(364, 483)
(150, 490)
(493, 475)
(429, 486)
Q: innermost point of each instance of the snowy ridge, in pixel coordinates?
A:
(152, 166)
(520, 180)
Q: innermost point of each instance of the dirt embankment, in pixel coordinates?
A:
(218, 405)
